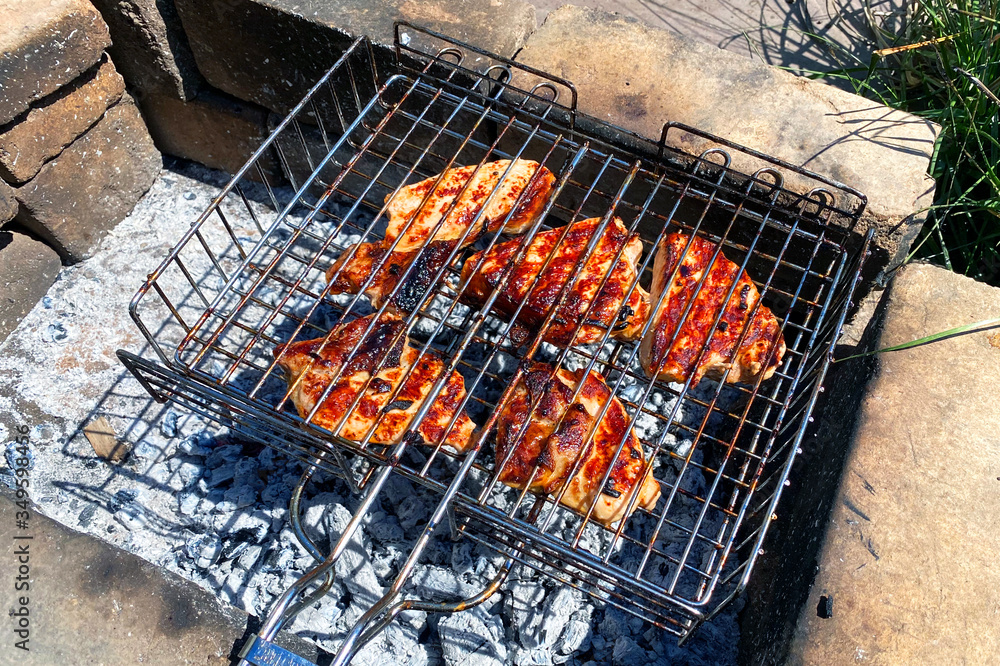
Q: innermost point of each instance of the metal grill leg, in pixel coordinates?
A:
(286, 608)
(384, 611)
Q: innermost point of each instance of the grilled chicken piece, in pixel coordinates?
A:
(762, 347)
(486, 185)
(389, 268)
(543, 457)
(539, 291)
(311, 367)
(430, 253)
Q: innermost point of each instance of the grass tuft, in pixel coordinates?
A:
(941, 61)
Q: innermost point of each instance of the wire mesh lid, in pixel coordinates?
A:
(321, 306)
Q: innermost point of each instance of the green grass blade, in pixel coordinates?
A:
(986, 324)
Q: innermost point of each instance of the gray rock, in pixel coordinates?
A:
(28, 268)
(150, 46)
(906, 509)
(271, 51)
(56, 121)
(8, 203)
(45, 45)
(79, 196)
(215, 129)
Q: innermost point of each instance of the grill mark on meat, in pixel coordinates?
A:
(743, 297)
(691, 302)
(561, 433)
(587, 304)
(413, 227)
(397, 368)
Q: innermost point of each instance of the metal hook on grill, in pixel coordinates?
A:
(545, 85)
(821, 198)
(451, 51)
(727, 159)
(778, 183)
(494, 79)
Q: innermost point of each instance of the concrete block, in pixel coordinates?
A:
(28, 267)
(150, 47)
(272, 51)
(77, 197)
(45, 45)
(886, 552)
(8, 203)
(56, 121)
(214, 129)
(639, 77)
(910, 550)
(93, 603)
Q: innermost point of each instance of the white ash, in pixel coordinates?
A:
(203, 502)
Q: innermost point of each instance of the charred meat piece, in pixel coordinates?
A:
(415, 270)
(487, 186)
(544, 455)
(429, 249)
(610, 307)
(311, 366)
(762, 346)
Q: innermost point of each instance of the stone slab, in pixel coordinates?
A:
(150, 47)
(903, 565)
(77, 197)
(45, 45)
(909, 558)
(638, 77)
(56, 121)
(92, 603)
(272, 51)
(778, 33)
(8, 203)
(215, 129)
(28, 267)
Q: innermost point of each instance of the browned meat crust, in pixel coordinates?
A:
(312, 366)
(488, 184)
(389, 269)
(430, 248)
(678, 361)
(543, 457)
(611, 306)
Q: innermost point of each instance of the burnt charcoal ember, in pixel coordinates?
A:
(121, 498)
(198, 444)
(187, 503)
(168, 425)
(472, 638)
(627, 652)
(131, 516)
(86, 515)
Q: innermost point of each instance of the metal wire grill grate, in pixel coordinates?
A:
(249, 275)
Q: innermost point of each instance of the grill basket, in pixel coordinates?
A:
(249, 275)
